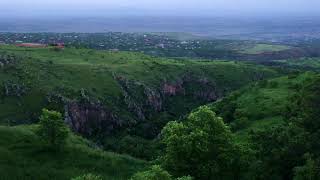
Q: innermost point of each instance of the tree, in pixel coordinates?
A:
(280, 150)
(88, 177)
(52, 128)
(185, 178)
(155, 173)
(309, 171)
(304, 113)
(202, 147)
(309, 104)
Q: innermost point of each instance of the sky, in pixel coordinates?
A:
(157, 7)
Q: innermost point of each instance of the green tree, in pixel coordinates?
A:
(309, 171)
(185, 178)
(88, 177)
(202, 147)
(304, 113)
(280, 150)
(52, 128)
(309, 104)
(155, 173)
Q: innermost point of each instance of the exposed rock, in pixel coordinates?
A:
(14, 89)
(7, 59)
(154, 99)
(206, 90)
(172, 89)
(90, 119)
(57, 98)
(133, 105)
(206, 95)
(85, 115)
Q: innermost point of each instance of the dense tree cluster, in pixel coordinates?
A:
(292, 151)
(203, 146)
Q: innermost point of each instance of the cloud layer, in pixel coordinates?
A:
(159, 7)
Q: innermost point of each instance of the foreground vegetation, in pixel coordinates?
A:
(23, 156)
(204, 147)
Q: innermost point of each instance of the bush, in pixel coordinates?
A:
(133, 145)
(309, 171)
(88, 177)
(241, 123)
(263, 83)
(185, 178)
(273, 84)
(202, 146)
(155, 173)
(52, 129)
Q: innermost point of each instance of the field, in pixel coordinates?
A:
(264, 48)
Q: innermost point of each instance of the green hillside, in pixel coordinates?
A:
(260, 105)
(132, 87)
(274, 133)
(23, 157)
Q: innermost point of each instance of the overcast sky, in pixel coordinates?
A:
(157, 7)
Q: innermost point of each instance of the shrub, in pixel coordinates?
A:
(155, 173)
(52, 128)
(240, 123)
(88, 177)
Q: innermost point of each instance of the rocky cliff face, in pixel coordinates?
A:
(129, 91)
(200, 88)
(86, 116)
(90, 118)
(14, 89)
(173, 88)
(6, 60)
(154, 99)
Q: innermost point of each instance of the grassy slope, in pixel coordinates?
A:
(45, 70)
(263, 103)
(22, 157)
